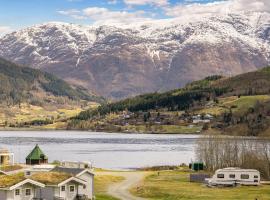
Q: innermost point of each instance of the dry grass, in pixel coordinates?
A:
(10, 168)
(51, 178)
(102, 182)
(175, 185)
(8, 181)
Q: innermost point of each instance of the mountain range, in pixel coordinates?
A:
(25, 85)
(119, 62)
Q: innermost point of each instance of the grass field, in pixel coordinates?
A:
(175, 185)
(238, 105)
(102, 183)
(168, 129)
(26, 113)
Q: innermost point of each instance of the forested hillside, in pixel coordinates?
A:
(238, 105)
(22, 84)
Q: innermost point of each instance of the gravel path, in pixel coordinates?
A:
(121, 190)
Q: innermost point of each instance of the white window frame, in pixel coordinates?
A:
(63, 186)
(73, 187)
(26, 192)
(16, 193)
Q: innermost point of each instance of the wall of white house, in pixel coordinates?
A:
(3, 195)
(89, 189)
(46, 193)
(10, 195)
(67, 194)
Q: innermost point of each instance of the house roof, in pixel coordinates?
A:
(50, 178)
(36, 154)
(8, 181)
(75, 179)
(25, 182)
(73, 171)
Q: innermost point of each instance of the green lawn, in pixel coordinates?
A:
(163, 129)
(105, 197)
(175, 185)
(238, 105)
(243, 103)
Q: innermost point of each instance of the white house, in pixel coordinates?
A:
(75, 164)
(83, 174)
(59, 186)
(37, 169)
(19, 188)
(234, 176)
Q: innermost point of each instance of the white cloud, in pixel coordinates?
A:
(74, 13)
(146, 2)
(4, 30)
(102, 16)
(112, 2)
(106, 16)
(218, 7)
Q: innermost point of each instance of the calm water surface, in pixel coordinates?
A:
(104, 150)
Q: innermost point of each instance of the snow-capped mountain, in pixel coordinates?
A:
(122, 61)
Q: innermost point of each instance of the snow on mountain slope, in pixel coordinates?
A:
(123, 61)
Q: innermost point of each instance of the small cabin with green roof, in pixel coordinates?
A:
(36, 157)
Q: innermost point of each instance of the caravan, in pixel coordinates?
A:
(234, 176)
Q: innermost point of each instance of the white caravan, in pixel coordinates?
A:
(234, 176)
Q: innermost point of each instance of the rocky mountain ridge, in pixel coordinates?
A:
(118, 62)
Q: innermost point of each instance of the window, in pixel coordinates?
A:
(220, 176)
(232, 175)
(17, 192)
(27, 192)
(28, 173)
(244, 176)
(63, 188)
(256, 176)
(72, 188)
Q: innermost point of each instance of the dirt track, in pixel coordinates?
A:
(121, 190)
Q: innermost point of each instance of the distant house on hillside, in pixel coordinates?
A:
(36, 157)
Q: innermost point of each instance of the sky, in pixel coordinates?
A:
(17, 14)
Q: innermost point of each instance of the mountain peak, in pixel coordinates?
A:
(155, 55)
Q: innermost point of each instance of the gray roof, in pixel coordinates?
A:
(73, 171)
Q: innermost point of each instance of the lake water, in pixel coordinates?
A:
(104, 150)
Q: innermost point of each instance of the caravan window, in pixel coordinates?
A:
(256, 176)
(244, 176)
(232, 175)
(220, 176)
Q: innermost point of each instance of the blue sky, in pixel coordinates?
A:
(20, 13)
(16, 14)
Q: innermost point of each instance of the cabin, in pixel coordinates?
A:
(6, 158)
(75, 164)
(37, 169)
(84, 174)
(17, 187)
(234, 176)
(59, 186)
(36, 157)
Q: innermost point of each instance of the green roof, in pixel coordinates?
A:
(36, 154)
(10, 180)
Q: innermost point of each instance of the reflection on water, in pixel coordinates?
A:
(111, 151)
